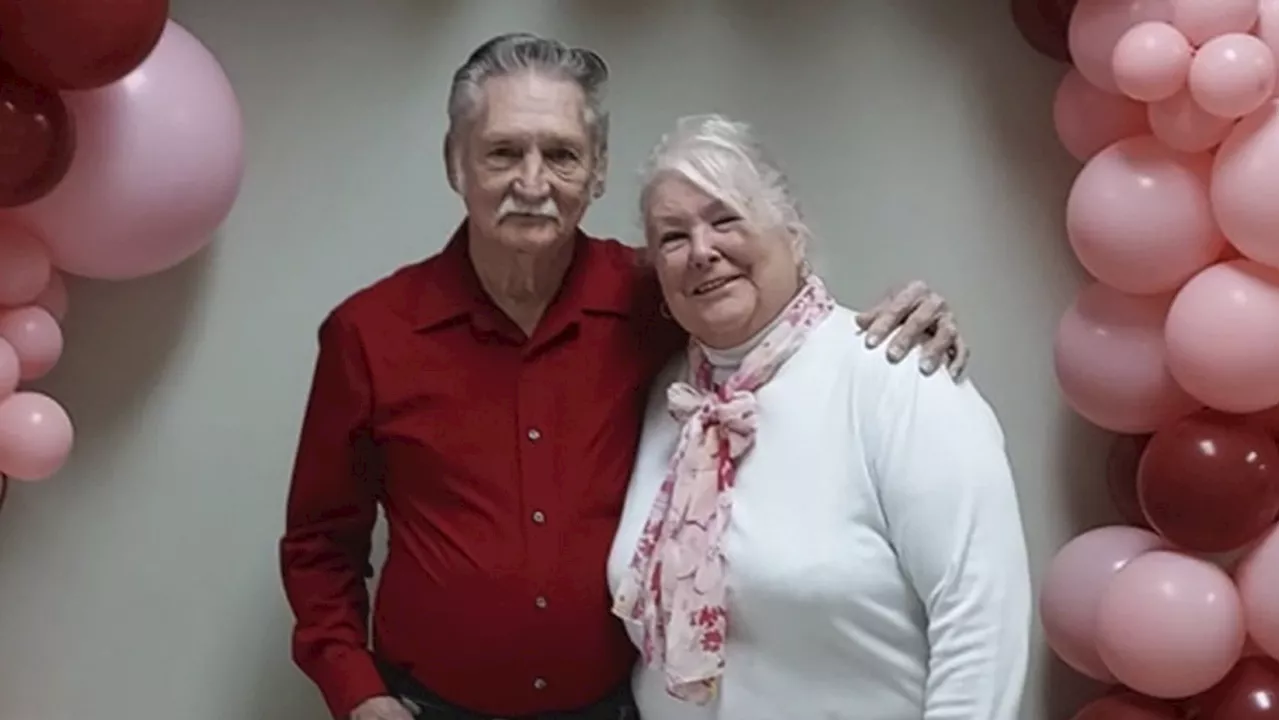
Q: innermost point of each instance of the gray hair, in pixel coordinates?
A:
(521, 52)
(724, 159)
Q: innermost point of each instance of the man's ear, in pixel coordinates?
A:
(598, 175)
(451, 165)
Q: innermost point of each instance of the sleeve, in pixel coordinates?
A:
(332, 506)
(947, 491)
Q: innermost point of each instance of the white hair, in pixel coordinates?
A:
(724, 159)
(513, 53)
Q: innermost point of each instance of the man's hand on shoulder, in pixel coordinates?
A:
(917, 316)
(384, 707)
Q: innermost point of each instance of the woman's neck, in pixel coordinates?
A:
(730, 358)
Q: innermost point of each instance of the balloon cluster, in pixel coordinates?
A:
(1171, 107)
(121, 151)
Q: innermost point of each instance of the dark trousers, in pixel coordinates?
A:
(426, 705)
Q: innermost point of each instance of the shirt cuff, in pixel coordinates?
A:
(351, 680)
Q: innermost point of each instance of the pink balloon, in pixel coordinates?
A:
(35, 335)
(35, 436)
(1097, 25)
(24, 266)
(1088, 119)
(1203, 20)
(54, 297)
(1170, 625)
(10, 369)
(1268, 27)
(1138, 216)
(1245, 185)
(1180, 123)
(1232, 75)
(1256, 579)
(158, 165)
(1109, 356)
(1150, 61)
(1073, 588)
(1223, 339)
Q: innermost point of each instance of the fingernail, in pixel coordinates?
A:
(873, 340)
(928, 366)
(895, 353)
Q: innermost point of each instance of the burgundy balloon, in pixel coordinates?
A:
(79, 44)
(1043, 24)
(1122, 477)
(1248, 692)
(1207, 482)
(1128, 705)
(37, 140)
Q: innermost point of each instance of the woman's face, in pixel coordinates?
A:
(722, 278)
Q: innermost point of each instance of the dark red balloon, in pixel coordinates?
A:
(1207, 482)
(1043, 24)
(1248, 692)
(37, 140)
(1122, 477)
(1125, 705)
(79, 44)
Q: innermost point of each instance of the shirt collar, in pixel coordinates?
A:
(596, 283)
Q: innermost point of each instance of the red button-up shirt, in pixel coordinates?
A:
(501, 464)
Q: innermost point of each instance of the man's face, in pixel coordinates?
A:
(526, 162)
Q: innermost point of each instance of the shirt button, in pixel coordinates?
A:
(540, 602)
(538, 517)
(539, 684)
(534, 434)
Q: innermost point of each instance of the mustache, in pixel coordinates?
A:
(546, 209)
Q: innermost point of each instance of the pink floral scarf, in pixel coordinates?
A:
(675, 587)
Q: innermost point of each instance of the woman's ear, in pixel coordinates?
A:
(799, 240)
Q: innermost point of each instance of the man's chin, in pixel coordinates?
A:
(532, 239)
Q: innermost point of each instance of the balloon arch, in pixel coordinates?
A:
(121, 151)
(1170, 106)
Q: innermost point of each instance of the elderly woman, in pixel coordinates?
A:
(810, 532)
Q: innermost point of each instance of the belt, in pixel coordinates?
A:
(424, 704)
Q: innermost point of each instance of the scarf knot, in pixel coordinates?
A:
(732, 413)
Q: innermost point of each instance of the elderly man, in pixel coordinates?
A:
(489, 398)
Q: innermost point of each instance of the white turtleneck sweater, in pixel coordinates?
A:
(876, 563)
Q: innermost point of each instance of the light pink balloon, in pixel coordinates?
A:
(1268, 27)
(1073, 587)
(34, 334)
(1232, 75)
(1245, 185)
(54, 297)
(1095, 28)
(1150, 61)
(1087, 119)
(1183, 125)
(10, 369)
(1109, 357)
(24, 265)
(158, 165)
(1223, 337)
(1256, 579)
(35, 436)
(1138, 216)
(1202, 20)
(1170, 625)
